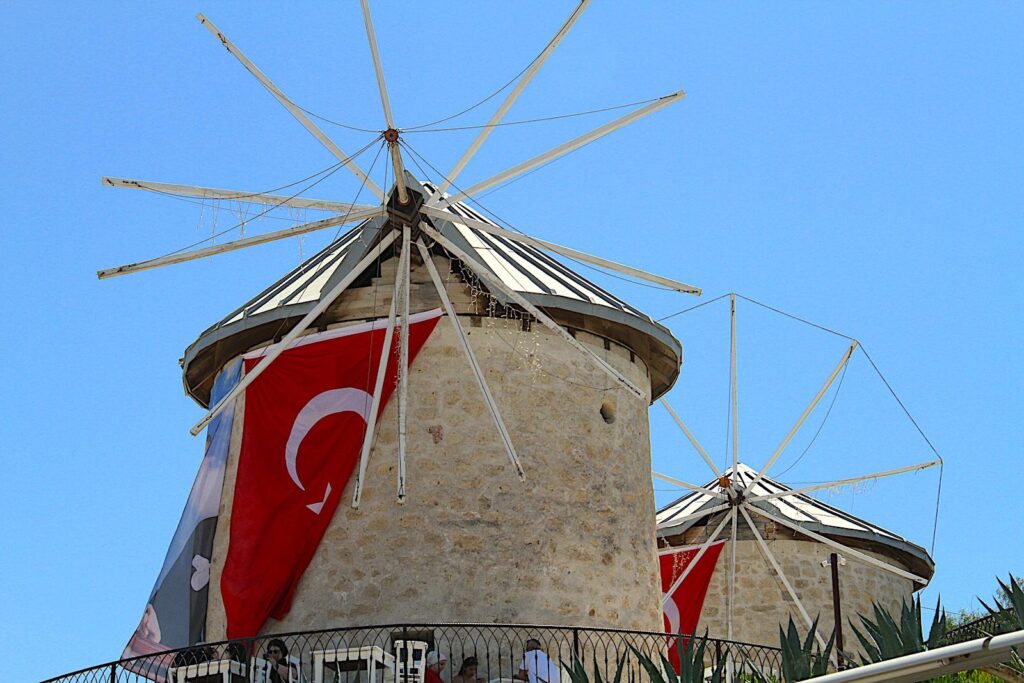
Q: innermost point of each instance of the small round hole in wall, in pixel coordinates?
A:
(608, 412)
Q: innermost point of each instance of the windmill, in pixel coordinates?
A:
(413, 218)
(738, 495)
(614, 356)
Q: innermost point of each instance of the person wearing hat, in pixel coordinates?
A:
(435, 665)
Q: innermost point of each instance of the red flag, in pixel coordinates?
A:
(682, 610)
(305, 418)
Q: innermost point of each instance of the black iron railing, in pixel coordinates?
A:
(989, 625)
(399, 651)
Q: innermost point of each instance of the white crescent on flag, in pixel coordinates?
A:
(320, 406)
(671, 611)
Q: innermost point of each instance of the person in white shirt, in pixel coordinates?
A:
(535, 666)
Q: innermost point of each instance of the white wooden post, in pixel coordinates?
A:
(240, 195)
(687, 485)
(564, 148)
(225, 247)
(481, 381)
(487, 129)
(483, 226)
(696, 558)
(843, 482)
(803, 417)
(290, 106)
(733, 379)
(403, 361)
(770, 558)
(696, 515)
(280, 347)
(396, 154)
(849, 552)
(692, 439)
(378, 387)
(497, 284)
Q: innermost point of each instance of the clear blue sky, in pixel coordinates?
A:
(859, 165)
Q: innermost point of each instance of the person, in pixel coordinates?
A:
(535, 666)
(467, 672)
(281, 670)
(435, 665)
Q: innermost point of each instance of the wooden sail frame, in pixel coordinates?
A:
(403, 217)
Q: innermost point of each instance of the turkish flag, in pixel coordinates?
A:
(682, 610)
(305, 418)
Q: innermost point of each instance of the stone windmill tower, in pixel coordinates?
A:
(888, 568)
(780, 548)
(573, 543)
(530, 398)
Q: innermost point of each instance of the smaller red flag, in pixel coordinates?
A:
(682, 610)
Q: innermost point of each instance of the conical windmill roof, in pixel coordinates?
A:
(568, 297)
(800, 509)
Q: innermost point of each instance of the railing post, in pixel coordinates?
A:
(404, 652)
(113, 673)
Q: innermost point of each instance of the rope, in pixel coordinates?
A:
(692, 308)
(304, 266)
(513, 228)
(332, 122)
(541, 119)
(798, 319)
(278, 205)
(492, 95)
(942, 463)
(821, 426)
(255, 194)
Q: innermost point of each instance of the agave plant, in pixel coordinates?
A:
(884, 638)
(578, 673)
(691, 653)
(1010, 611)
(1013, 595)
(801, 657)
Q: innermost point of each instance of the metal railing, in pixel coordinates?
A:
(498, 650)
(989, 625)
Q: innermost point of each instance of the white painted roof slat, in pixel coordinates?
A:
(798, 508)
(682, 508)
(522, 267)
(559, 279)
(497, 263)
(528, 270)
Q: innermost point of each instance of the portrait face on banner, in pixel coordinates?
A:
(175, 614)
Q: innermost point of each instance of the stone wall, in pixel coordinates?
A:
(573, 545)
(763, 603)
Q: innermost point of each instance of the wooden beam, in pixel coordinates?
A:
(290, 106)
(240, 195)
(483, 226)
(215, 249)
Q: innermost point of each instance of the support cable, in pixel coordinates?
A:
(540, 119)
(493, 94)
(878, 371)
(501, 221)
